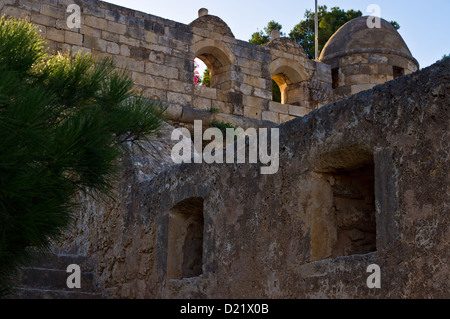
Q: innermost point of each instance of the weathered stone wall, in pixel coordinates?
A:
(159, 55)
(308, 231)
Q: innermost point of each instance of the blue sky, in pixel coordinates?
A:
(424, 25)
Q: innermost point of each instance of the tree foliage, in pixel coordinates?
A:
(64, 122)
(206, 80)
(263, 36)
(304, 32)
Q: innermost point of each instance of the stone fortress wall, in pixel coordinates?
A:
(159, 55)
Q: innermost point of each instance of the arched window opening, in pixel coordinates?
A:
(276, 92)
(281, 81)
(202, 74)
(218, 59)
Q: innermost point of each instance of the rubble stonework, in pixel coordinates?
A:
(362, 181)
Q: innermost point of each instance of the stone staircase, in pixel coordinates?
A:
(46, 278)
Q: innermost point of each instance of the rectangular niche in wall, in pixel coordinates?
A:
(346, 223)
(354, 204)
(185, 239)
(335, 78)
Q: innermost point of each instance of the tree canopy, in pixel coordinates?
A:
(64, 121)
(303, 33)
(206, 80)
(329, 22)
(263, 36)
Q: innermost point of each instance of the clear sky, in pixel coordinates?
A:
(424, 25)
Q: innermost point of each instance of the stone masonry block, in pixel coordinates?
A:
(73, 38)
(262, 93)
(181, 87)
(385, 69)
(222, 106)
(161, 70)
(285, 118)
(128, 63)
(201, 103)
(174, 111)
(151, 37)
(29, 5)
(377, 59)
(55, 35)
(298, 110)
(77, 49)
(94, 43)
(111, 37)
(62, 24)
(114, 16)
(157, 57)
(368, 69)
(95, 22)
(278, 107)
(139, 53)
(129, 41)
(255, 102)
(42, 30)
(112, 48)
(124, 50)
(53, 12)
(255, 81)
(16, 12)
(270, 116)
(378, 78)
(252, 112)
(354, 59)
(143, 79)
(361, 87)
(179, 98)
(116, 27)
(206, 92)
(42, 19)
(94, 11)
(357, 79)
(86, 30)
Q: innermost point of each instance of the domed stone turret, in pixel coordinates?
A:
(362, 57)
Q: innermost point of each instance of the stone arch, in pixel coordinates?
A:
(218, 58)
(213, 24)
(289, 76)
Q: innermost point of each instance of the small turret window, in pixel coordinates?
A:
(335, 78)
(398, 71)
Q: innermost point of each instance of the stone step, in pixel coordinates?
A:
(59, 261)
(34, 293)
(46, 278)
(53, 279)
